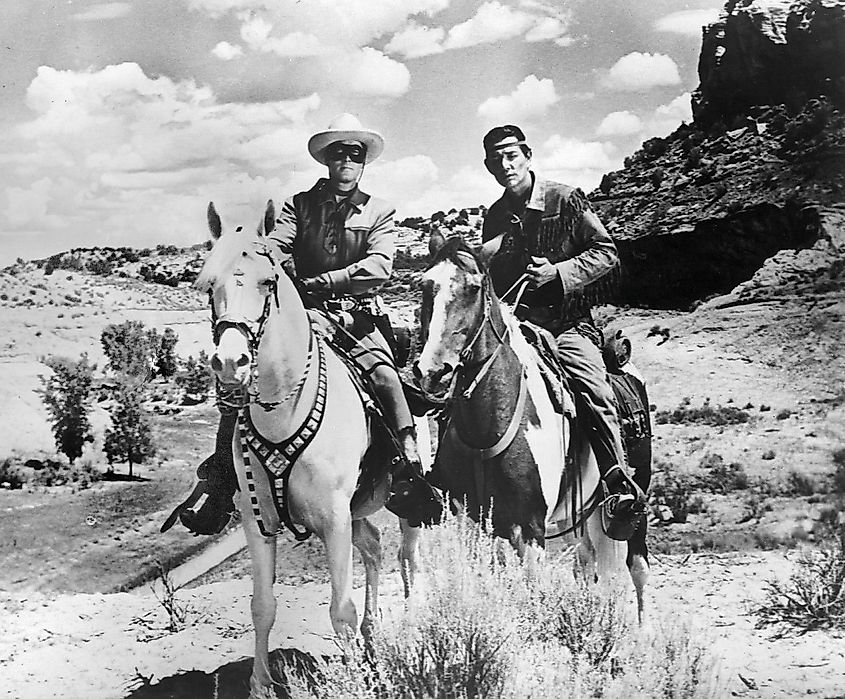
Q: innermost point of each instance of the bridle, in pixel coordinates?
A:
(234, 398)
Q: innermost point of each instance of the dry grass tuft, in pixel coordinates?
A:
(484, 628)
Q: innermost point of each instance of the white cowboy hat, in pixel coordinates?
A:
(345, 127)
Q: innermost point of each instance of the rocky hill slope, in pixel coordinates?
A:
(760, 170)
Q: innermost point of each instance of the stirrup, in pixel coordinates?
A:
(622, 513)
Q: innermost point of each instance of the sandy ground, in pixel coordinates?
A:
(106, 646)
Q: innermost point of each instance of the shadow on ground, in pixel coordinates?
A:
(229, 681)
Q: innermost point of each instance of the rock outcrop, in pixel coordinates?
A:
(766, 52)
(699, 212)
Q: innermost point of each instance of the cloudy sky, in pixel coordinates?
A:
(119, 121)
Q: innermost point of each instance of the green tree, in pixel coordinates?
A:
(166, 363)
(130, 437)
(129, 349)
(196, 379)
(66, 393)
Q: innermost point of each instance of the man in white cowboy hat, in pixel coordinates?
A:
(339, 243)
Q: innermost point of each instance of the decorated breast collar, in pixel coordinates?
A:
(278, 458)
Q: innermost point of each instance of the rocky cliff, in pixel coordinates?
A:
(760, 170)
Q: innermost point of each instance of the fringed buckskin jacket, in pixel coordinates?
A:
(558, 224)
(351, 241)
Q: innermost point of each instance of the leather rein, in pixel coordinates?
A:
(486, 453)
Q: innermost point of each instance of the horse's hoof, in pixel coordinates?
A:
(260, 691)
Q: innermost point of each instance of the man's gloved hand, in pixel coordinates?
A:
(540, 271)
(320, 284)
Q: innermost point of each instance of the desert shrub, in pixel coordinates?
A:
(12, 475)
(130, 438)
(196, 379)
(166, 362)
(798, 483)
(607, 182)
(839, 471)
(814, 594)
(783, 414)
(675, 491)
(719, 477)
(67, 395)
(486, 629)
(707, 414)
(130, 348)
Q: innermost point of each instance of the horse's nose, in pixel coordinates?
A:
(217, 363)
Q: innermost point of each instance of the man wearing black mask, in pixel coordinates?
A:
(339, 243)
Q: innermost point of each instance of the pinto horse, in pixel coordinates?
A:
(267, 350)
(505, 450)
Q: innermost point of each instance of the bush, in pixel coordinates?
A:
(684, 414)
(814, 595)
(720, 477)
(196, 379)
(166, 363)
(129, 438)
(800, 484)
(130, 348)
(67, 395)
(673, 490)
(11, 475)
(486, 629)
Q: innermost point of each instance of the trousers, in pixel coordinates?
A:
(583, 363)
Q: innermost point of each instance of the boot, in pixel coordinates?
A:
(411, 496)
(624, 506)
(210, 506)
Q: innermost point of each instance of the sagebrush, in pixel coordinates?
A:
(483, 627)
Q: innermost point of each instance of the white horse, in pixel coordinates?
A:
(305, 418)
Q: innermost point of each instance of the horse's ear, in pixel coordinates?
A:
(269, 218)
(435, 242)
(485, 252)
(214, 224)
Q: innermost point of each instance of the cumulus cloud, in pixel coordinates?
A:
(416, 40)
(576, 162)
(255, 31)
(399, 180)
(122, 158)
(639, 72)
(103, 11)
(532, 97)
(492, 22)
(668, 117)
(470, 186)
(226, 51)
(369, 72)
(688, 22)
(622, 123)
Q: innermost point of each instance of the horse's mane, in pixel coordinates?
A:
(228, 249)
(455, 250)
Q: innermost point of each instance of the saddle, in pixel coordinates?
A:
(628, 388)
